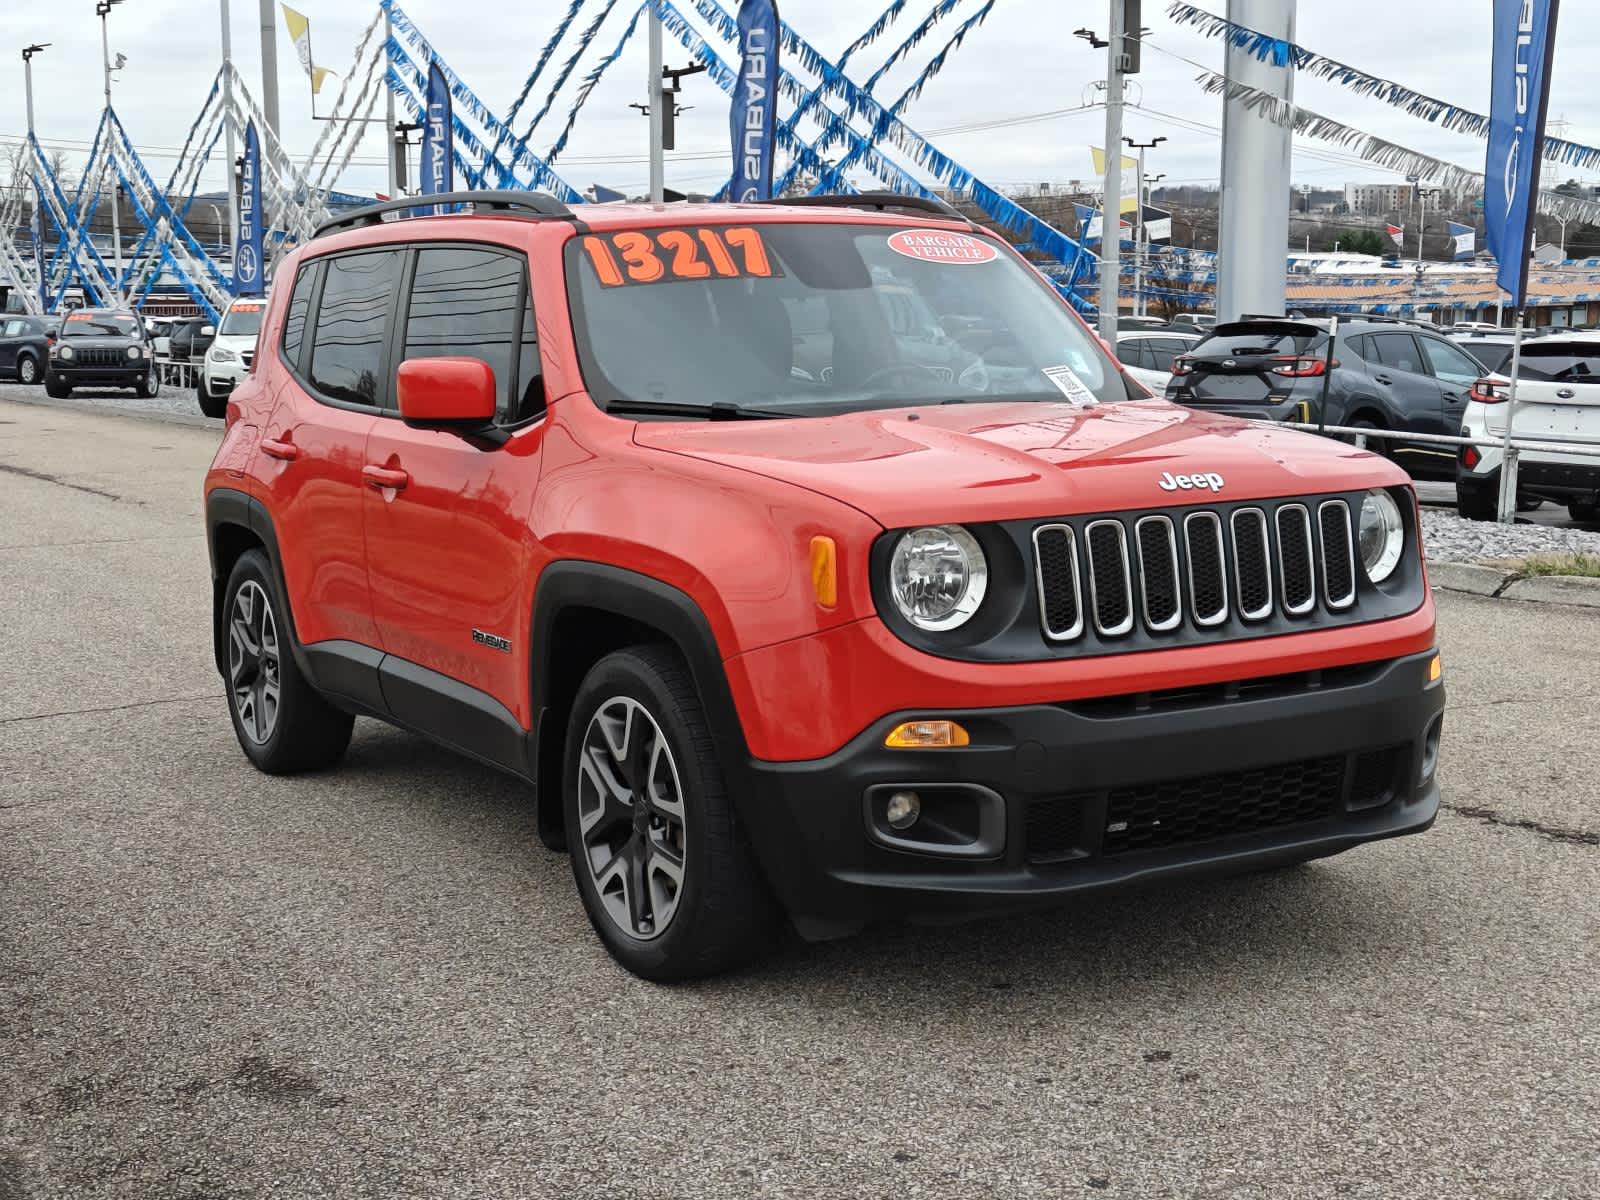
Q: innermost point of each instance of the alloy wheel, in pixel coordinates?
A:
(27, 371)
(631, 818)
(253, 662)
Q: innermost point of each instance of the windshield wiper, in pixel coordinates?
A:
(718, 411)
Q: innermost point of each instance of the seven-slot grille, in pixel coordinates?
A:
(1250, 563)
(100, 356)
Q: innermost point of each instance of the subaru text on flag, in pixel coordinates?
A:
(871, 638)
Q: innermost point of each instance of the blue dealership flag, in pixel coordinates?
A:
(35, 232)
(248, 273)
(437, 167)
(752, 119)
(1519, 95)
(1466, 239)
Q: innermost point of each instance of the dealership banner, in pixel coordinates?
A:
(37, 234)
(752, 119)
(437, 168)
(1519, 94)
(248, 273)
(1465, 237)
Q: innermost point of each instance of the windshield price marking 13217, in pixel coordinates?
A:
(655, 256)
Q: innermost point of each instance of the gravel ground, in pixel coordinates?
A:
(178, 401)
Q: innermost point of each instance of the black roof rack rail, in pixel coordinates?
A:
(881, 201)
(539, 205)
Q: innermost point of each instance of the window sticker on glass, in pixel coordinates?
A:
(1070, 386)
(938, 246)
(673, 255)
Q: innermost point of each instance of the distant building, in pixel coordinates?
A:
(1376, 199)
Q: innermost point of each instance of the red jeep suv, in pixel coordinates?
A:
(812, 560)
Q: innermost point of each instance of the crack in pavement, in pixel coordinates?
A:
(1556, 833)
(76, 712)
(45, 477)
(168, 537)
(1518, 700)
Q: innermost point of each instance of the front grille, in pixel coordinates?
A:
(1183, 811)
(99, 356)
(1149, 574)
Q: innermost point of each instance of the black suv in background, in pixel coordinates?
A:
(1386, 374)
(101, 347)
(24, 347)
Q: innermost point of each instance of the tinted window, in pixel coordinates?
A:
(1568, 362)
(100, 324)
(1448, 363)
(530, 372)
(243, 319)
(464, 303)
(1495, 356)
(15, 328)
(1131, 351)
(294, 321)
(347, 346)
(1398, 350)
(1165, 350)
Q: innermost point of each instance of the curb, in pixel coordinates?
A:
(1495, 583)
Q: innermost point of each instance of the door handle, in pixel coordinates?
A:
(1383, 379)
(285, 450)
(385, 477)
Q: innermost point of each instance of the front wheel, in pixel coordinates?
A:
(211, 406)
(664, 871)
(1587, 511)
(146, 388)
(55, 388)
(28, 370)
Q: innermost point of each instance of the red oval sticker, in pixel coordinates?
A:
(936, 245)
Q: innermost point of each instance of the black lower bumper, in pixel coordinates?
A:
(1049, 800)
(1556, 481)
(102, 376)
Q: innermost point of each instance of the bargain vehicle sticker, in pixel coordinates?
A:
(1069, 385)
(242, 306)
(673, 255)
(938, 246)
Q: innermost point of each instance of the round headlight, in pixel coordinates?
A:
(938, 576)
(66, 352)
(135, 351)
(1381, 535)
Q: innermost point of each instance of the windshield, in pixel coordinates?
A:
(813, 319)
(1495, 356)
(242, 320)
(99, 324)
(1572, 363)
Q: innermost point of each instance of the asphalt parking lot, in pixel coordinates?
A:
(373, 982)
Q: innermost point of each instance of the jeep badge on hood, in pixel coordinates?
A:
(1175, 483)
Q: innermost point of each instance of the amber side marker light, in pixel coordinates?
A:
(926, 735)
(1435, 669)
(825, 571)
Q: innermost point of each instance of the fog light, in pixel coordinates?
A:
(903, 811)
(926, 735)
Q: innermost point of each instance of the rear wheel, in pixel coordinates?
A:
(668, 880)
(1584, 510)
(27, 369)
(282, 723)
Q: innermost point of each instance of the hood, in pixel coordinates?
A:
(234, 342)
(1004, 461)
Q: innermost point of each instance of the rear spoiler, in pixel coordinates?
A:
(1278, 327)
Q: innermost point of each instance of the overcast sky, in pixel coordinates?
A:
(1023, 60)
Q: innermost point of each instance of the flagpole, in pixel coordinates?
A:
(1506, 510)
(227, 125)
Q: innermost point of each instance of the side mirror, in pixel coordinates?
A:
(446, 391)
(208, 331)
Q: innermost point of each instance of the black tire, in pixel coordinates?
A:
(54, 387)
(147, 388)
(299, 730)
(1580, 510)
(211, 406)
(721, 914)
(1476, 502)
(27, 369)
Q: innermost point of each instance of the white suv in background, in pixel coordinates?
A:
(227, 362)
(1558, 401)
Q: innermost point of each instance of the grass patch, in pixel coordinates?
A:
(1587, 565)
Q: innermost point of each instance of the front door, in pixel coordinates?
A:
(1412, 393)
(448, 548)
(12, 331)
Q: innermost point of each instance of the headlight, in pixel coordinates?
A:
(66, 353)
(938, 576)
(1381, 535)
(135, 351)
(219, 355)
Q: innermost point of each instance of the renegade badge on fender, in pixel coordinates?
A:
(816, 561)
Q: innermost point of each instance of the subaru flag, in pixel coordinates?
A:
(1465, 238)
(438, 138)
(247, 266)
(1519, 94)
(752, 120)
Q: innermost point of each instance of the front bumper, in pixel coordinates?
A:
(219, 379)
(1082, 796)
(130, 376)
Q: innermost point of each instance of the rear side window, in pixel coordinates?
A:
(1448, 362)
(1398, 350)
(294, 320)
(352, 324)
(474, 303)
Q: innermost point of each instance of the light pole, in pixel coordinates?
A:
(227, 124)
(1138, 227)
(33, 165)
(102, 8)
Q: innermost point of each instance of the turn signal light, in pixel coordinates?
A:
(926, 735)
(825, 571)
(1299, 368)
(1489, 391)
(1435, 669)
(1182, 367)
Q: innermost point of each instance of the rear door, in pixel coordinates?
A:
(1456, 371)
(1403, 380)
(448, 550)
